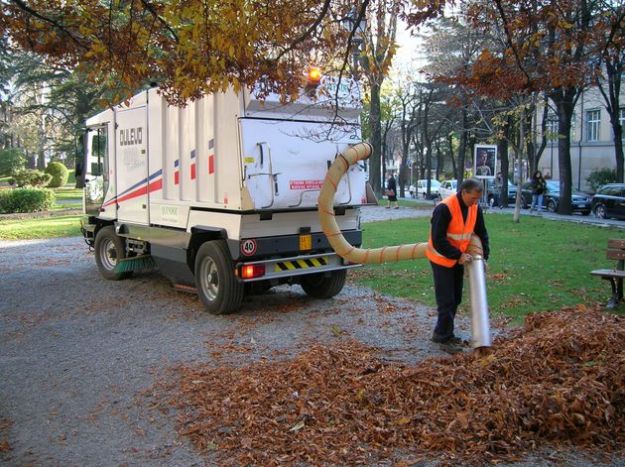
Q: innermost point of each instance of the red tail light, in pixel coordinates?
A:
(250, 271)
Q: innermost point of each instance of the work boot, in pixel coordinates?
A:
(448, 340)
(440, 339)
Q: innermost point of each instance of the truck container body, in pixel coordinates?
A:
(222, 193)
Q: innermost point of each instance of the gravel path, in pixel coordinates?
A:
(77, 351)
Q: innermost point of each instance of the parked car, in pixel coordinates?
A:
(493, 190)
(448, 188)
(580, 201)
(422, 189)
(609, 201)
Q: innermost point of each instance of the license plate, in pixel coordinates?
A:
(305, 242)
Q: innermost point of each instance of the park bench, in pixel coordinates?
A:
(615, 251)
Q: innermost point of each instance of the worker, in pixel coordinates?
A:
(453, 222)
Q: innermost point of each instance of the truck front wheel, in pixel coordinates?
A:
(324, 285)
(218, 288)
(109, 249)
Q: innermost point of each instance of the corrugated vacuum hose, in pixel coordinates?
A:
(361, 151)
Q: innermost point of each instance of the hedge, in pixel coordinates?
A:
(59, 173)
(30, 177)
(25, 200)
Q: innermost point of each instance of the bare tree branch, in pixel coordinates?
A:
(308, 32)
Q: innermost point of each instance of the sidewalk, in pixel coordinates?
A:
(381, 213)
(577, 218)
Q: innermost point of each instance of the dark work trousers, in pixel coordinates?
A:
(448, 290)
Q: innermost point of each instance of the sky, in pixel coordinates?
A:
(410, 57)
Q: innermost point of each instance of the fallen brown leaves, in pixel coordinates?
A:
(5, 425)
(560, 380)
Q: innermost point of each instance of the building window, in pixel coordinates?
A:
(552, 128)
(621, 119)
(593, 119)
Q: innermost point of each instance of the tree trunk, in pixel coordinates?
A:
(516, 217)
(564, 99)
(440, 166)
(614, 70)
(504, 167)
(450, 142)
(462, 148)
(376, 140)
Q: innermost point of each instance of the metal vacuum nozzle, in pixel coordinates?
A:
(480, 328)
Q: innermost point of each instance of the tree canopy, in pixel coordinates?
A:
(190, 47)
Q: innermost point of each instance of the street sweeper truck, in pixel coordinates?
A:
(221, 194)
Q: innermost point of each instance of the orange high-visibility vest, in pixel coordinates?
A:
(458, 232)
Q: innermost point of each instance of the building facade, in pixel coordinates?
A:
(592, 139)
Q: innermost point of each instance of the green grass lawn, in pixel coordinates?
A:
(67, 197)
(536, 265)
(26, 229)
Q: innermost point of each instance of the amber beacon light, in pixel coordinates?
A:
(314, 76)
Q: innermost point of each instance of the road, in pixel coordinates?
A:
(77, 352)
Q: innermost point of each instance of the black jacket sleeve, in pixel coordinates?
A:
(480, 231)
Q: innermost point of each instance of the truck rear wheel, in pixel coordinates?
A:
(109, 249)
(324, 286)
(218, 288)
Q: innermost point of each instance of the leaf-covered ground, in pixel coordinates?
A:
(558, 382)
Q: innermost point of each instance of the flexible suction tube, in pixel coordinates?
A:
(333, 232)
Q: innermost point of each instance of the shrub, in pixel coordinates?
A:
(59, 173)
(30, 177)
(26, 200)
(11, 161)
(601, 177)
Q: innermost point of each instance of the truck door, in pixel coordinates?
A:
(132, 165)
(95, 173)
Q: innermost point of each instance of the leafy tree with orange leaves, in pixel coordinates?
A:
(190, 47)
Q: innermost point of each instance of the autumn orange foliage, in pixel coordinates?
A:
(190, 47)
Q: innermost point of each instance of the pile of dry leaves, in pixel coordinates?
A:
(561, 379)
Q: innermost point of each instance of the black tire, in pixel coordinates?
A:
(216, 284)
(552, 206)
(524, 204)
(324, 285)
(600, 211)
(109, 249)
